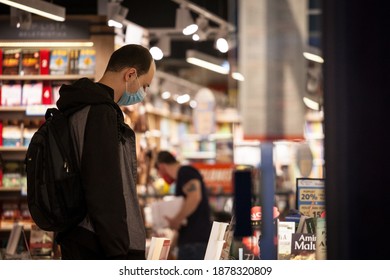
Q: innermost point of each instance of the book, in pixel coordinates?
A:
(41, 242)
(216, 241)
(32, 93)
(44, 58)
(303, 246)
(159, 248)
(310, 225)
(11, 61)
(285, 231)
(303, 225)
(11, 94)
(321, 239)
(87, 61)
(47, 94)
(12, 136)
(228, 237)
(58, 62)
(161, 209)
(14, 239)
(30, 62)
(1, 64)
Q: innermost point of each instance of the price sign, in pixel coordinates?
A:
(311, 196)
(37, 110)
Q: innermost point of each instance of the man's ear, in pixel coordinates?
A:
(129, 73)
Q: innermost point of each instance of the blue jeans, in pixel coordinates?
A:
(192, 251)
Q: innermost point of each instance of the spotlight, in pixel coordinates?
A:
(116, 14)
(221, 43)
(184, 21)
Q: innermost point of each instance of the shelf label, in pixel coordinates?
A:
(46, 30)
(310, 196)
(37, 110)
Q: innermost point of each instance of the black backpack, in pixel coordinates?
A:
(54, 190)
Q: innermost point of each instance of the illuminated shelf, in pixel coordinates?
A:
(43, 77)
(13, 149)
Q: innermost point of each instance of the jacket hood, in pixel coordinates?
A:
(84, 92)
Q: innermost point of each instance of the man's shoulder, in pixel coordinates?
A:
(189, 170)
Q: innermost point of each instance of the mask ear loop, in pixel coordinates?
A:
(126, 86)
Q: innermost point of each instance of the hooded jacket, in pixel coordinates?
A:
(108, 163)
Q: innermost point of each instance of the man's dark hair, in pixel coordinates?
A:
(165, 157)
(131, 55)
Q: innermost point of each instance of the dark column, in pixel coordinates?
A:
(356, 74)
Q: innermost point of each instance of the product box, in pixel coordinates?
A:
(41, 242)
(47, 94)
(58, 62)
(30, 62)
(73, 61)
(87, 62)
(1, 61)
(32, 94)
(11, 94)
(11, 61)
(12, 173)
(12, 136)
(44, 58)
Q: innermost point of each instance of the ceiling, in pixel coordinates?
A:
(162, 14)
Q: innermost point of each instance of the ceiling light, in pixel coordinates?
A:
(115, 22)
(184, 21)
(162, 48)
(38, 7)
(207, 61)
(156, 53)
(313, 54)
(193, 104)
(311, 104)
(221, 43)
(183, 98)
(238, 76)
(196, 37)
(165, 95)
(313, 57)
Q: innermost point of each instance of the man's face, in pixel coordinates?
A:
(163, 173)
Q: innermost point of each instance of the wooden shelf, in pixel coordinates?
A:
(13, 149)
(13, 189)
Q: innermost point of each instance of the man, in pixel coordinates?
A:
(113, 228)
(193, 220)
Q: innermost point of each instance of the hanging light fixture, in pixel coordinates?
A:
(207, 61)
(162, 48)
(184, 21)
(202, 32)
(38, 7)
(116, 14)
(221, 42)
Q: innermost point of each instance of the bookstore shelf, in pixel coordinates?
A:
(67, 77)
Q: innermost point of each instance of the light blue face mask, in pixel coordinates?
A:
(132, 98)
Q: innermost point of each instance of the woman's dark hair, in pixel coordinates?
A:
(131, 55)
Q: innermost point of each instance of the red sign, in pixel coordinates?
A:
(218, 177)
